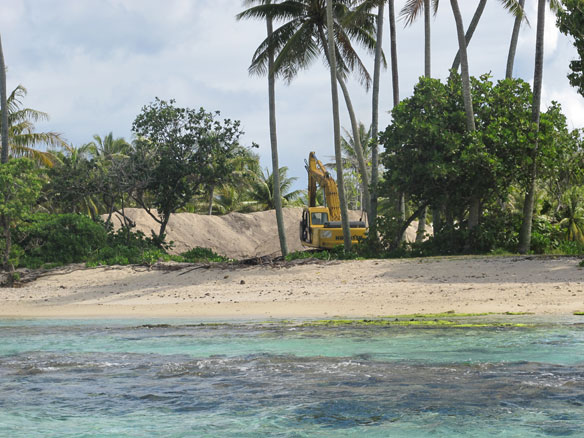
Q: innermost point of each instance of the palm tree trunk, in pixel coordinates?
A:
(427, 43)
(4, 159)
(337, 125)
(470, 123)
(525, 232)
(466, 95)
(421, 232)
(211, 195)
(274, 145)
(356, 134)
(393, 47)
(4, 108)
(395, 88)
(470, 31)
(513, 44)
(427, 73)
(358, 146)
(375, 122)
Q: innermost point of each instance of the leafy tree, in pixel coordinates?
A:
(177, 152)
(429, 153)
(571, 22)
(20, 186)
(72, 185)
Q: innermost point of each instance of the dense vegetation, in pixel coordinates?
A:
(475, 157)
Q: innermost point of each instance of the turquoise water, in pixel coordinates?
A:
(122, 378)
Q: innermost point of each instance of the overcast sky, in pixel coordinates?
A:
(92, 65)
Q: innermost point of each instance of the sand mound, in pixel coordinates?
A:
(235, 235)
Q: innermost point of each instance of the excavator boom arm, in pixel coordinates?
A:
(319, 176)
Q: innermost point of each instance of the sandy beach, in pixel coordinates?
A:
(366, 288)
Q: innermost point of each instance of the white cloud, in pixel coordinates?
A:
(92, 64)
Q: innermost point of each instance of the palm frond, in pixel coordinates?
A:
(515, 8)
(411, 10)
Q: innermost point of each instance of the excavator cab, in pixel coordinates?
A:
(318, 217)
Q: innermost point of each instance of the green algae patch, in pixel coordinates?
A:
(449, 314)
(452, 314)
(406, 322)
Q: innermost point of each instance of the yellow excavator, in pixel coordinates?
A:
(320, 226)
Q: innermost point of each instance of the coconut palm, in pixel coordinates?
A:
(22, 138)
(525, 233)
(3, 108)
(330, 50)
(470, 31)
(273, 133)
(409, 13)
(515, 7)
(108, 147)
(245, 168)
(573, 214)
(301, 39)
(513, 43)
(413, 8)
(350, 162)
(108, 154)
(262, 189)
(380, 4)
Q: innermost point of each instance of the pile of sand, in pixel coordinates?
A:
(235, 235)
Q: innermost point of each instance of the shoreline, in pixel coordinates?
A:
(336, 289)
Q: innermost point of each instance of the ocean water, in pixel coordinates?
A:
(179, 378)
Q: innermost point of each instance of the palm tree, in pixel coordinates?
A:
(301, 39)
(3, 107)
(108, 147)
(4, 159)
(262, 191)
(573, 214)
(332, 58)
(350, 162)
(22, 138)
(108, 154)
(409, 12)
(525, 233)
(513, 43)
(273, 133)
(470, 31)
(375, 99)
(413, 8)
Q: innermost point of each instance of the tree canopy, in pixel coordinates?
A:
(571, 22)
(177, 153)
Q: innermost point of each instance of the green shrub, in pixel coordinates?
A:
(337, 253)
(545, 236)
(58, 239)
(199, 254)
(127, 247)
